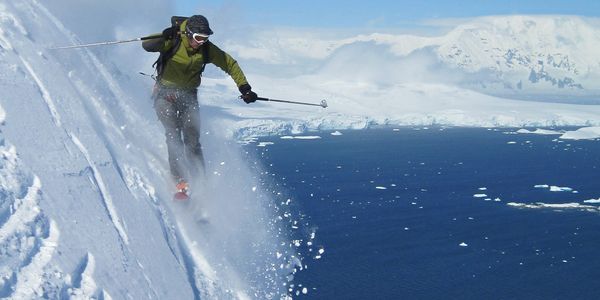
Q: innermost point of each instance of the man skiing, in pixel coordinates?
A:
(184, 51)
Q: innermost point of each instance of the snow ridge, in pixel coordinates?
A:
(32, 277)
(84, 285)
(28, 239)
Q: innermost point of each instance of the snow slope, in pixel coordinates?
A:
(85, 211)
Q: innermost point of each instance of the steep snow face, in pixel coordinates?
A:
(70, 226)
(85, 197)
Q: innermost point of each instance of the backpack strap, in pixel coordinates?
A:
(164, 57)
(205, 57)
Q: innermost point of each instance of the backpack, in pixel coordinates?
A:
(164, 57)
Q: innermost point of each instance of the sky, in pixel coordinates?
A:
(374, 14)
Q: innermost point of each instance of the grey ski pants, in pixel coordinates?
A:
(178, 111)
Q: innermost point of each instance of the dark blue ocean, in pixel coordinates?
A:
(422, 213)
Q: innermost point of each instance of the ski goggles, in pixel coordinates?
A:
(200, 38)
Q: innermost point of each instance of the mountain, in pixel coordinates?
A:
(544, 56)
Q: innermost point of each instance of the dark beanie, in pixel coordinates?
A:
(199, 24)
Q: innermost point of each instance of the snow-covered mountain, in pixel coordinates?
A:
(552, 54)
(548, 56)
(474, 75)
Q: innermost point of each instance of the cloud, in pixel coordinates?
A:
(91, 19)
(376, 64)
(99, 21)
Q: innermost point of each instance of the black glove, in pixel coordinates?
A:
(247, 94)
(170, 33)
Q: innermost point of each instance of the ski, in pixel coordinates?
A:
(181, 197)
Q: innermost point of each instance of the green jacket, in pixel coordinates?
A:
(183, 69)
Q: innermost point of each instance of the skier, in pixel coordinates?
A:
(184, 51)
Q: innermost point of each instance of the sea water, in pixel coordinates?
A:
(441, 213)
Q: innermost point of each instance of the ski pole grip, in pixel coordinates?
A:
(151, 37)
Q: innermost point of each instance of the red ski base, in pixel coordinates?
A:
(181, 196)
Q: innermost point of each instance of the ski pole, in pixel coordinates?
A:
(323, 103)
(149, 75)
(108, 43)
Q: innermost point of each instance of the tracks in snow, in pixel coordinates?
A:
(106, 197)
(50, 104)
(28, 239)
(45, 94)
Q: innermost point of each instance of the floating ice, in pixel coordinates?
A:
(301, 137)
(592, 201)
(540, 131)
(554, 188)
(586, 133)
(541, 205)
(264, 144)
(336, 133)
(480, 195)
(483, 189)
